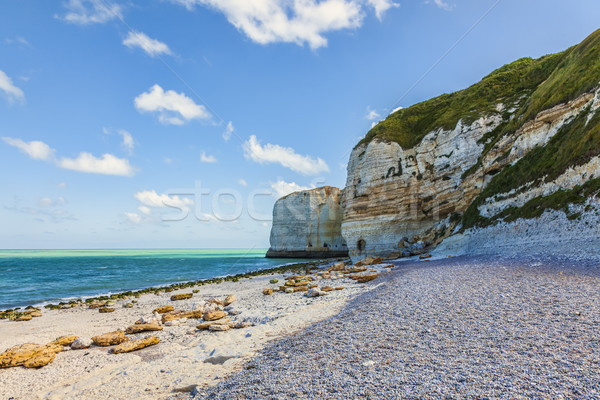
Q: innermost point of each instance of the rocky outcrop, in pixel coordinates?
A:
(307, 224)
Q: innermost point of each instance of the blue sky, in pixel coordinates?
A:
(111, 109)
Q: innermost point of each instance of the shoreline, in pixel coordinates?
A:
(82, 300)
(186, 357)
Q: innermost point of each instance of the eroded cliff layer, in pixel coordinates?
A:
(307, 224)
(524, 140)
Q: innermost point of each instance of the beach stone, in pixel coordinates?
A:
(136, 344)
(214, 315)
(96, 304)
(240, 325)
(175, 322)
(26, 317)
(105, 310)
(154, 319)
(35, 314)
(81, 343)
(289, 290)
(339, 266)
(65, 340)
(29, 355)
(315, 293)
(274, 281)
(364, 278)
(355, 270)
(137, 328)
(300, 289)
(339, 288)
(326, 289)
(217, 302)
(206, 325)
(128, 305)
(218, 327)
(229, 299)
(183, 296)
(425, 256)
(268, 292)
(110, 338)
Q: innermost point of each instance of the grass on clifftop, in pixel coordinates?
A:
(533, 85)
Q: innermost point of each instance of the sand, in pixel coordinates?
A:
(184, 359)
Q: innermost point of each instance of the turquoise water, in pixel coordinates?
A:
(40, 276)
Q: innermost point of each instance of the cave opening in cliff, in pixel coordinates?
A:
(360, 245)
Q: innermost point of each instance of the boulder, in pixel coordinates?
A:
(96, 304)
(339, 266)
(274, 281)
(65, 340)
(110, 338)
(364, 277)
(182, 296)
(29, 355)
(214, 315)
(35, 313)
(104, 310)
(163, 309)
(229, 299)
(136, 344)
(289, 290)
(81, 343)
(26, 317)
(218, 327)
(315, 293)
(268, 292)
(137, 328)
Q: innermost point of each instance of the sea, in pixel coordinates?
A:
(38, 277)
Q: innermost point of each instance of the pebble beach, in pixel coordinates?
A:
(459, 328)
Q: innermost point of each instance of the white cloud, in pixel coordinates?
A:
(396, 109)
(34, 149)
(87, 12)
(152, 47)
(381, 6)
(48, 202)
(207, 158)
(229, 129)
(153, 199)
(243, 182)
(144, 210)
(173, 108)
(12, 92)
(18, 40)
(167, 160)
(108, 164)
(62, 185)
(127, 140)
(299, 21)
(286, 156)
(442, 4)
(133, 217)
(372, 114)
(282, 188)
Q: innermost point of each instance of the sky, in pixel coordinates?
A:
(178, 123)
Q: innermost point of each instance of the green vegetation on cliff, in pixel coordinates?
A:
(530, 85)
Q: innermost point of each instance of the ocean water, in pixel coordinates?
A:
(41, 276)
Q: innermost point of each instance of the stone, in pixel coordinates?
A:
(110, 338)
(326, 289)
(339, 288)
(315, 293)
(176, 322)
(389, 266)
(182, 296)
(206, 325)
(268, 292)
(229, 299)
(425, 256)
(163, 309)
(35, 314)
(104, 310)
(307, 224)
(217, 302)
(29, 355)
(136, 344)
(274, 281)
(296, 283)
(64, 340)
(218, 327)
(300, 289)
(289, 290)
(137, 328)
(339, 266)
(364, 278)
(214, 315)
(96, 304)
(81, 343)
(128, 305)
(26, 317)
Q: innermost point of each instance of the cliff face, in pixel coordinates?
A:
(307, 224)
(522, 142)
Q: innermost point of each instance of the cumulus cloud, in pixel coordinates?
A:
(144, 210)
(372, 114)
(173, 108)
(12, 92)
(108, 164)
(286, 156)
(229, 129)
(243, 182)
(152, 47)
(127, 140)
(87, 12)
(442, 4)
(152, 199)
(301, 21)
(133, 217)
(207, 158)
(282, 188)
(34, 149)
(381, 6)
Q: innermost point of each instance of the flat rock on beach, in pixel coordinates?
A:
(452, 328)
